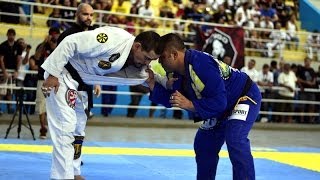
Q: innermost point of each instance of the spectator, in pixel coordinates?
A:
(283, 11)
(120, 7)
(56, 22)
(251, 71)
(266, 23)
(146, 10)
(278, 38)
(10, 55)
(166, 9)
(255, 41)
(287, 79)
(307, 79)
(313, 45)
(265, 80)
(8, 7)
(67, 14)
(221, 15)
(109, 99)
(32, 79)
(136, 98)
(24, 62)
(130, 25)
(44, 49)
(292, 29)
(267, 11)
(243, 15)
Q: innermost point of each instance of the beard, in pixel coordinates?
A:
(85, 24)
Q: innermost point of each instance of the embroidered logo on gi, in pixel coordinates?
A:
(71, 97)
(225, 70)
(102, 37)
(114, 57)
(104, 64)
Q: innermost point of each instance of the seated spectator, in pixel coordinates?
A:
(221, 15)
(67, 14)
(292, 29)
(266, 23)
(119, 7)
(243, 15)
(255, 41)
(146, 10)
(7, 7)
(166, 9)
(283, 11)
(130, 25)
(56, 23)
(267, 11)
(278, 38)
(313, 45)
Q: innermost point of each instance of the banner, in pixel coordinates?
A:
(224, 43)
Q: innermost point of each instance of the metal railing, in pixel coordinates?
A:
(161, 29)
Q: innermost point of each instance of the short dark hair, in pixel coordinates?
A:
(149, 40)
(11, 31)
(54, 30)
(171, 40)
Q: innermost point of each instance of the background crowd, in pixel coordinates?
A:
(278, 80)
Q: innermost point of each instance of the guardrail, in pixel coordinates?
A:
(161, 29)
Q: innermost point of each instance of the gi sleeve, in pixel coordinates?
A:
(160, 95)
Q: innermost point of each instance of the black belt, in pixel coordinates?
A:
(82, 86)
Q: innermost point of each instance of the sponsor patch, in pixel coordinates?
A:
(240, 112)
(71, 97)
(114, 57)
(104, 64)
(102, 37)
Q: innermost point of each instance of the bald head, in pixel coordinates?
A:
(84, 15)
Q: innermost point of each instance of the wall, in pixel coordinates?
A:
(309, 15)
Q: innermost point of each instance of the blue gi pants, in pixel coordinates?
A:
(234, 132)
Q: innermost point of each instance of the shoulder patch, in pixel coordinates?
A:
(114, 57)
(102, 37)
(104, 64)
(225, 70)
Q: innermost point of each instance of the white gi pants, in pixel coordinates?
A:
(66, 119)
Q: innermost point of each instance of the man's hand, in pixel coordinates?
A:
(178, 100)
(150, 81)
(97, 90)
(170, 82)
(50, 83)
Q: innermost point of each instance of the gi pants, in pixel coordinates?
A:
(234, 132)
(66, 119)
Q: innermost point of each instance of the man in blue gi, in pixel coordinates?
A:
(225, 99)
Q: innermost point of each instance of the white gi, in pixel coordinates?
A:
(97, 56)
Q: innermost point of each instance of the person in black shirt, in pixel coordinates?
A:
(10, 55)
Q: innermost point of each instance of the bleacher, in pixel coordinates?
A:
(36, 32)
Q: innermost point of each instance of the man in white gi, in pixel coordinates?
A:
(105, 56)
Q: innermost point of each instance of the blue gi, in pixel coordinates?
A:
(227, 102)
